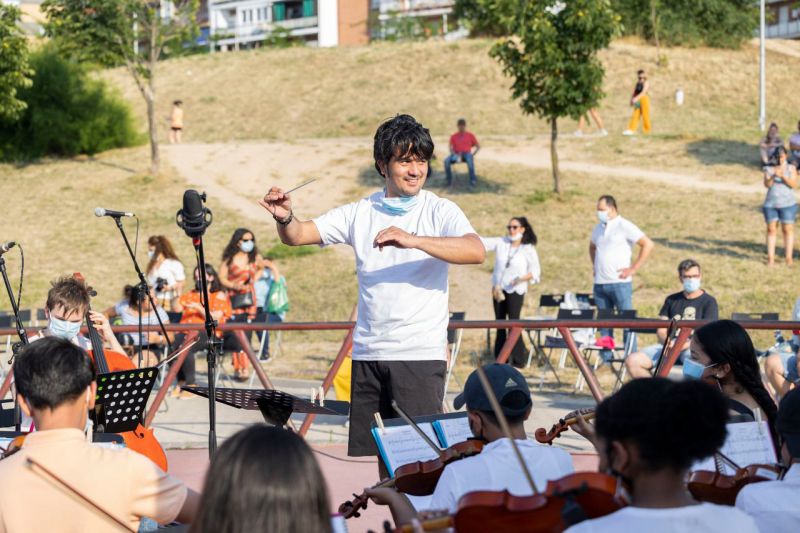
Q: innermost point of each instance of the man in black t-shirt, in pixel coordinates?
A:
(692, 303)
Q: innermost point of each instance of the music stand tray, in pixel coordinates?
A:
(121, 399)
(276, 406)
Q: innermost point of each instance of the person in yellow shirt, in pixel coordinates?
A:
(56, 386)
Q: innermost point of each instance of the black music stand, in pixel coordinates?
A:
(6, 415)
(121, 399)
(276, 406)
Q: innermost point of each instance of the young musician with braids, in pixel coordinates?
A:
(722, 355)
(56, 386)
(649, 434)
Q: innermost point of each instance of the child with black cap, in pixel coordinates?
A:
(496, 468)
(774, 504)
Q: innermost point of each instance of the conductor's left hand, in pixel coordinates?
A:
(396, 237)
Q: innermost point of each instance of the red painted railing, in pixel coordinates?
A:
(516, 327)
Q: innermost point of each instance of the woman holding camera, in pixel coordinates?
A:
(164, 271)
(780, 204)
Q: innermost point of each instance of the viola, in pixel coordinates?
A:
(141, 439)
(722, 489)
(547, 437)
(418, 479)
(564, 502)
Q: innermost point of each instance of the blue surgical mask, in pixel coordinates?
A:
(691, 284)
(247, 246)
(151, 253)
(694, 370)
(602, 216)
(63, 329)
(399, 205)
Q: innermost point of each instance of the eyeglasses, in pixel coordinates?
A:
(509, 228)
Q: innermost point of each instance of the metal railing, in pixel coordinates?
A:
(516, 327)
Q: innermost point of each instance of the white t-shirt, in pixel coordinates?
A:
(170, 270)
(496, 468)
(521, 261)
(614, 241)
(702, 518)
(403, 294)
(774, 505)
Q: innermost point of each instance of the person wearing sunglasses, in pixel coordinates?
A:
(640, 102)
(516, 265)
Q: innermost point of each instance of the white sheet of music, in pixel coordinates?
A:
(454, 430)
(401, 445)
(748, 443)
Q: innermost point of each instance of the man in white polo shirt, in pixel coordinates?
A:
(404, 239)
(611, 250)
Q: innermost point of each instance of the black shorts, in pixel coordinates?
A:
(416, 386)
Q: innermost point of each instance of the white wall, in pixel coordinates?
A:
(328, 17)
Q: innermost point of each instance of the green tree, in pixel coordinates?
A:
(131, 33)
(14, 70)
(551, 52)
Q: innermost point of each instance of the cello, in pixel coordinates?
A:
(141, 439)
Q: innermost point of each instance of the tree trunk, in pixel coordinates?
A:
(152, 125)
(554, 155)
(654, 22)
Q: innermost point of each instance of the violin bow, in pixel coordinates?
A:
(416, 427)
(501, 417)
(36, 465)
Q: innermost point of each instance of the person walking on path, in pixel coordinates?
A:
(176, 122)
(640, 101)
(601, 130)
(462, 143)
(780, 204)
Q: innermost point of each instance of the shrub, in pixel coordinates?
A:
(67, 113)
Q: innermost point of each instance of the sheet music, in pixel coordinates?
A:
(5, 441)
(401, 445)
(452, 430)
(748, 443)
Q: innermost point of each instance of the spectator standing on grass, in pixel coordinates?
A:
(794, 148)
(640, 102)
(240, 268)
(270, 278)
(692, 303)
(464, 147)
(176, 122)
(611, 250)
(164, 270)
(601, 130)
(769, 146)
(780, 204)
(516, 264)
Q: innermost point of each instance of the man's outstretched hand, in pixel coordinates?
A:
(396, 237)
(277, 203)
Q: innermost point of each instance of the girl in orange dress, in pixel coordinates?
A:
(241, 267)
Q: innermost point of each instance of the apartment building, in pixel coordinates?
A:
(783, 19)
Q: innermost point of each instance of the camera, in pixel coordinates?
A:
(160, 284)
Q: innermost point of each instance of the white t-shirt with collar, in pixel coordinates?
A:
(403, 293)
(614, 241)
(701, 518)
(511, 263)
(774, 505)
(496, 468)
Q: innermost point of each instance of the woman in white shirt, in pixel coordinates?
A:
(165, 272)
(649, 434)
(516, 264)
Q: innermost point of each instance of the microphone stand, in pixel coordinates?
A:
(23, 335)
(142, 286)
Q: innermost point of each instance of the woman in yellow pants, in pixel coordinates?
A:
(640, 101)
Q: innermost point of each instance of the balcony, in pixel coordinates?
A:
(412, 6)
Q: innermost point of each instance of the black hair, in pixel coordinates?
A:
(725, 341)
(686, 264)
(640, 72)
(528, 236)
(672, 424)
(264, 479)
(609, 200)
(215, 285)
(779, 151)
(461, 121)
(400, 136)
(232, 248)
(52, 371)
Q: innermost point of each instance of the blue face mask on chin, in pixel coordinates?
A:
(63, 329)
(694, 370)
(399, 205)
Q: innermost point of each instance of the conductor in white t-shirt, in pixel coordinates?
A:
(611, 251)
(404, 240)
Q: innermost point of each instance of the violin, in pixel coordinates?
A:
(564, 502)
(722, 489)
(563, 424)
(419, 478)
(141, 439)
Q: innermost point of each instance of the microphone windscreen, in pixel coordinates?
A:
(99, 212)
(192, 204)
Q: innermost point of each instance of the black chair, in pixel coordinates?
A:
(622, 352)
(174, 317)
(755, 316)
(556, 341)
(586, 298)
(454, 343)
(546, 301)
(41, 316)
(25, 316)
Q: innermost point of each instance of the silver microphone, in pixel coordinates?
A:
(100, 212)
(6, 246)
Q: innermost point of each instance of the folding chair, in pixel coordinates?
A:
(625, 349)
(7, 321)
(552, 301)
(556, 341)
(175, 316)
(41, 316)
(454, 342)
(25, 316)
(757, 316)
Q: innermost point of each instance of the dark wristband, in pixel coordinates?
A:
(285, 221)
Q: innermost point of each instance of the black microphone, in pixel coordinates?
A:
(6, 246)
(100, 212)
(194, 218)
